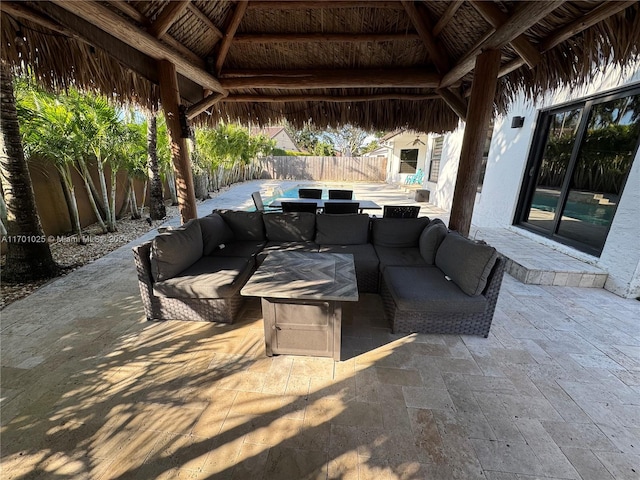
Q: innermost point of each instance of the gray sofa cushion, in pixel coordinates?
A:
(397, 232)
(290, 227)
(246, 226)
(430, 239)
(364, 258)
(175, 250)
(351, 229)
(285, 247)
(399, 256)
(238, 249)
(214, 232)
(467, 263)
(426, 289)
(209, 277)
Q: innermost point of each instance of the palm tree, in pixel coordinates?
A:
(157, 210)
(29, 257)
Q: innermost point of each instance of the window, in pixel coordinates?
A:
(436, 155)
(578, 167)
(485, 155)
(408, 160)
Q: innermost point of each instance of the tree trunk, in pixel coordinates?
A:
(135, 213)
(157, 210)
(84, 172)
(76, 227)
(112, 207)
(125, 204)
(28, 253)
(105, 197)
(171, 182)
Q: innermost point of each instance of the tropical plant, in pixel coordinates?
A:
(157, 209)
(28, 253)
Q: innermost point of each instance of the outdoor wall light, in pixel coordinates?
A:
(517, 122)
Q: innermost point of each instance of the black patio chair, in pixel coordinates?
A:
(309, 193)
(341, 207)
(340, 194)
(257, 201)
(311, 207)
(401, 211)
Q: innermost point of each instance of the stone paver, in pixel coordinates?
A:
(91, 390)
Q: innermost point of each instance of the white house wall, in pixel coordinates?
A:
(496, 204)
(400, 142)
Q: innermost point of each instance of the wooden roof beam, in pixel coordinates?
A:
(413, 97)
(169, 14)
(322, 37)
(329, 4)
(421, 22)
(204, 104)
(206, 20)
(234, 23)
(598, 14)
(113, 24)
(22, 11)
(309, 79)
(138, 17)
(455, 102)
(523, 18)
(446, 17)
(496, 17)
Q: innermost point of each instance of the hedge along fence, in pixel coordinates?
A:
(351, 169)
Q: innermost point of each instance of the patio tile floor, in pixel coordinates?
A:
(90, 390)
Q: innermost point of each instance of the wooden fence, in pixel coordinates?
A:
(351, 169)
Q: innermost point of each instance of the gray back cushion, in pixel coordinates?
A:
(214, 232)
(397, 232)
(176, 250)
(351, 229)
(430, 239)
(246, 226)
(466, 263)
(290, 227)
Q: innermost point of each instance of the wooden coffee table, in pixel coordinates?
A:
(302, 295)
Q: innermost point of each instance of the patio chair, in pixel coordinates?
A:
(340, 194)
(299, 207)
(257, 201)
(401, 211)
(309, 193)
(341, 207)
(416, 178)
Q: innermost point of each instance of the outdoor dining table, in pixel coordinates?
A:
(364, 204)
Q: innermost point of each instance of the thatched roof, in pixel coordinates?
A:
(379, 64)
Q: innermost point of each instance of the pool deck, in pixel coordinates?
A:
(90, 390)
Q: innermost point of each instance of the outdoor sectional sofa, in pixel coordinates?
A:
(431, 280)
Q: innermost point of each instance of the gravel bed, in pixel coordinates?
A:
(70, 255)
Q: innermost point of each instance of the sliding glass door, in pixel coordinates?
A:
(581, 157)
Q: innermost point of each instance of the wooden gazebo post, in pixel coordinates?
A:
(483, 90)
(170, 98)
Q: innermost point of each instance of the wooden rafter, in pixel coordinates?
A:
(496, 17)
(328, 4)
(306, 79)
(446, 17)
(522, 19)
(206, 20)
(234, 23)
(113, 24)
(327, 98)
(323, 37)
(21, 10)
(207, 102)
(421, 23)
(455, 102)
(598, 14)
(170, 13)
(138, 17)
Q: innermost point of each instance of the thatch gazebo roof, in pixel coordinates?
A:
(383, 65)
(376, 64)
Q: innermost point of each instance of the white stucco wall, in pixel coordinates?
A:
(496, 204)
(283, 140)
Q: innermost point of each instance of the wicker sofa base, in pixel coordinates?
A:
(405, 321)
(223, 310)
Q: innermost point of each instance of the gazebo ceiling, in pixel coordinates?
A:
(377, 64)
